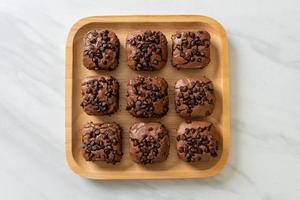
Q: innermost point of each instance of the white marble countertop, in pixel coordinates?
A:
(265, 82)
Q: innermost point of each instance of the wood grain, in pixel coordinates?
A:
(75, 118)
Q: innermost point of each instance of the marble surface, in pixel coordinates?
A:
(264, 70)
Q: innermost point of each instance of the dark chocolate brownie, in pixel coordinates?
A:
(147, 97)
(101, 50)
(197, 141)
(190, 49)
(100, 95)
(194, 97)
(102, 142)
(148, 143)
(146, 50)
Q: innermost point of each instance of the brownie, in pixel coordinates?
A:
(147, 97)
(194, 97)
(100, 95)
(146, 50)
(101, 50)
(102, 142)
(190, 49)
(197, 141)
(148, 143)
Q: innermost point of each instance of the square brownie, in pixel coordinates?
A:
(197, 141)
(100, 95)
(146, 50)
(190, 49)
(148, 143)
(147, 97)
(101, 50)
(194, 97)
(102, 142)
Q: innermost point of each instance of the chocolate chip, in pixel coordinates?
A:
(94, 40)
(95, 60)
(183, 89)
(138, 103)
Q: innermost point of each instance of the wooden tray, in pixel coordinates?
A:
(173, 167)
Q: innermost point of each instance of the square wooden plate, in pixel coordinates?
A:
(173, 167)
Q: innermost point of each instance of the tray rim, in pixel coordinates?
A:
(214, 170)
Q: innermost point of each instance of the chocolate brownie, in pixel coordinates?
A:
(190, 49)
(147, 97)
(102, 142)
(197, 141)
(194, 97)
(148, 143)
(101, 50)
(100, 95)
(146, 50)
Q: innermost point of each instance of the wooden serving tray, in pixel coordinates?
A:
(173, 167)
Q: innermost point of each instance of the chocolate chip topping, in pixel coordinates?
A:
(197, 141)
(146, 50)
(101, 50)
(149, 143)
(194, 98)
(100, 95)
(102, 142)
(190, 49)
(147, 97)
